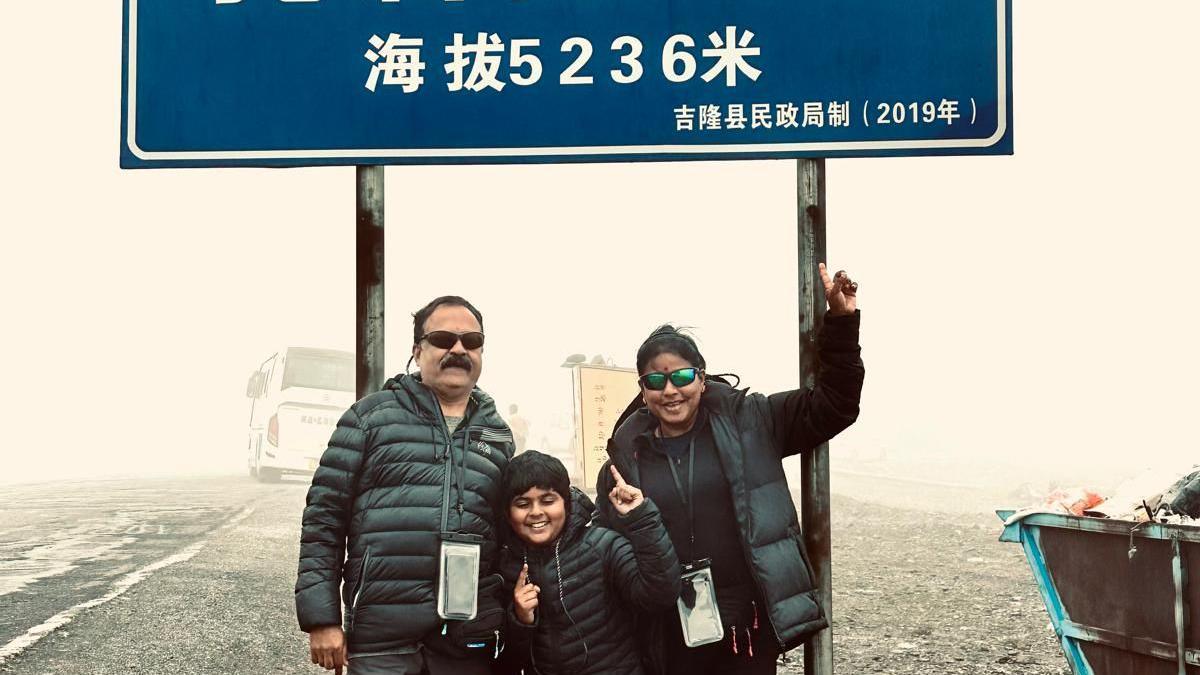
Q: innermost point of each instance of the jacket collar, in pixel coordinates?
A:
(481, 408)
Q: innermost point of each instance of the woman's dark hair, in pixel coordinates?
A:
(667, 339)
(422, 315)
(532, 469)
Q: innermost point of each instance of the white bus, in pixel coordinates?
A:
(296, 397)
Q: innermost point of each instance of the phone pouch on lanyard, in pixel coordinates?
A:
(697, 605)
(458, 576)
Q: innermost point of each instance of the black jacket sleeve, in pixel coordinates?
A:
(605, 513)
(805, 418)
(325, 521)
(642, 564)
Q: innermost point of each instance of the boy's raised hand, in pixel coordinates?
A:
(624, 497)
(525, 598)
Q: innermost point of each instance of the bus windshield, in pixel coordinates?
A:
(319, 371)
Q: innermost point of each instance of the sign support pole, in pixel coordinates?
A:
(368, 307)
(814, 492)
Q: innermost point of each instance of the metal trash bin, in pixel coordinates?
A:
(1117, 591)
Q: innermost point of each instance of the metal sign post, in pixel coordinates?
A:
(814, 491)
(368, 313)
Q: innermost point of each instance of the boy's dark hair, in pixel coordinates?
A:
(422, 315)
(532, 469)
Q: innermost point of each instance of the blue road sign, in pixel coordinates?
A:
(304, 82)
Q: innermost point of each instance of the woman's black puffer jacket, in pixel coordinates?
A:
(752, 434)
(591, 579)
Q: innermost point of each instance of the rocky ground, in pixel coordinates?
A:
(927, 588)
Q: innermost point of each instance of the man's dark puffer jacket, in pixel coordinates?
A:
(389, 483)
(591, 580)
(752, 434)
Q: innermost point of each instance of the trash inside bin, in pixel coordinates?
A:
(1184, 496)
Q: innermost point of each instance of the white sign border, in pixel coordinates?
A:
(613, 150)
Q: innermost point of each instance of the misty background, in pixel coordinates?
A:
(1025, 318)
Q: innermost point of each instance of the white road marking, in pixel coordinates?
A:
(118, 588)
(59, 555)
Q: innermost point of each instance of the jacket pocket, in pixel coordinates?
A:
(466, 639)
(484, 627)
(481, 634)
(362, 582)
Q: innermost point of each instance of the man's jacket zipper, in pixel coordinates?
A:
(362, 581)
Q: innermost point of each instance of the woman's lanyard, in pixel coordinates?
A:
(687, 500)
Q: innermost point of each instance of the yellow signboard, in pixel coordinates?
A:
(601, 395)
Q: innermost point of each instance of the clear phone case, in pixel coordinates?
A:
(697, 606)
(458, 580)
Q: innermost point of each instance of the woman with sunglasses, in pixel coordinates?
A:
(711, 457)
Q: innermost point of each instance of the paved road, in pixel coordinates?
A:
(179, 576)
(195, 576)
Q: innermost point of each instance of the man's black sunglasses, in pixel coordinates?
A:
(680, 378)
(444, 339)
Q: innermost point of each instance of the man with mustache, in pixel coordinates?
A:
(411, 475)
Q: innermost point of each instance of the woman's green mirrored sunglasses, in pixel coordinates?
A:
(680, 378)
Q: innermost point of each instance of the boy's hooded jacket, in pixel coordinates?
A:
(592, 579)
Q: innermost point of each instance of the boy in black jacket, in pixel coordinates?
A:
(576, 586)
